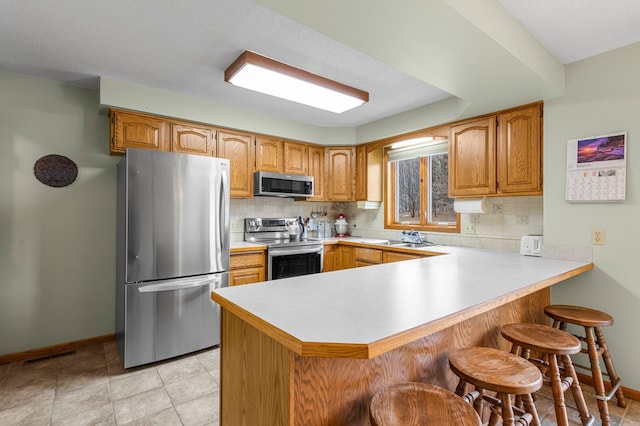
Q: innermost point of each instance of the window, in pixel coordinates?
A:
(418, 185)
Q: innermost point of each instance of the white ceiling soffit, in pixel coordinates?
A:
(471, 49)
(184, 47)
(406, 54)
(577, 29)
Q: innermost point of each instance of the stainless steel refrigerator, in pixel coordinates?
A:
(172, 250)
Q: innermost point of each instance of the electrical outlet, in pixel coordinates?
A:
(470, 228)
(597, 236)
(234, 226)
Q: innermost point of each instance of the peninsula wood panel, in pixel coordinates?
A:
(264, 383)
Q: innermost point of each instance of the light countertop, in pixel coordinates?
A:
(381, 305)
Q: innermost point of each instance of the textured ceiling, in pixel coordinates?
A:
(408, 55)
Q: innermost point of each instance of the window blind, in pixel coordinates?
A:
(422, 150)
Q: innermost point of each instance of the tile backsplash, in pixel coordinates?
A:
(506, 219)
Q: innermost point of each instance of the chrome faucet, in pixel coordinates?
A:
(411, 237)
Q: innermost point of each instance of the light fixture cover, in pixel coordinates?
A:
(265, 75)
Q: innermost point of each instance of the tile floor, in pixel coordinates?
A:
(90, 387)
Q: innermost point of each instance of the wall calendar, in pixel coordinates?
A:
(596, 168)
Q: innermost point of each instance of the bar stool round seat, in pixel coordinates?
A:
(502, 372)
(579, 315)
(553, 345)
(420, 404)
(592, 321)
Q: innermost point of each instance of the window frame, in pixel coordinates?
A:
(390, 198)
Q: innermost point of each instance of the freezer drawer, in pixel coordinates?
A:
(168, 318)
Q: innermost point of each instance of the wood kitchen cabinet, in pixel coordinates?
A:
(472, 157)
(497, 155)
(520, 151)
(345, 255)
(247, 267)
(238, 148)
(190, 138)
(316, 169)
(134, 130)
(331, 261)
(368, 174)
(339, 169)
(295, 158)
(269, 154)
(389, 256)
(366, 256)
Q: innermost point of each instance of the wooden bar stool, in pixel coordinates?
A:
(502, 372)
(592, 321)
(552, 344)
(420, 404)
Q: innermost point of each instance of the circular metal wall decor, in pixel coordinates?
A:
(55, 170)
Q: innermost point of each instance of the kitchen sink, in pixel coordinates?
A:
(410, 245)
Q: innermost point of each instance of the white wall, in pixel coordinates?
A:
(57, 256)
(154, 101)
(603, 96)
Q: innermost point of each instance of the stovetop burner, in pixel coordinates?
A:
(274, 232)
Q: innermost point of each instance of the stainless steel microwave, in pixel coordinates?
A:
(282, 185)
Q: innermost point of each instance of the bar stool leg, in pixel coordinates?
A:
(596, 372)
(608, 363)
(556, 389)
(530, 408)
(508, 418)
(576, 390)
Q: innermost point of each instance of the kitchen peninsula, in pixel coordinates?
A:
(313, 350)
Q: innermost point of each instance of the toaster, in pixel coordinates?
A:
(531, 245)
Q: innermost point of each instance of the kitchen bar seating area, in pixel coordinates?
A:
(329, 342)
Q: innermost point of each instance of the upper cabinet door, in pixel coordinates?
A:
(519, 151)
(316, 169)
(238, 148)
(269, 154)
(339, 167)
(472, 158)
(361, 172)
(137, 131)
(191, 139)
(295, 158)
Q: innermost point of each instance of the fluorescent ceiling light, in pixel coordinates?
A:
(262, 74)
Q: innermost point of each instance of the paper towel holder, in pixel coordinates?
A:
(470, 205)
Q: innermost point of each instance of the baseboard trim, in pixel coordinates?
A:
(628, 392)
(55, 349)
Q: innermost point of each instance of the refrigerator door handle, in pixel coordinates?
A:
(179, 285)
(224, 214)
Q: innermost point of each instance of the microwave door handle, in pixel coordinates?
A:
(175, 285)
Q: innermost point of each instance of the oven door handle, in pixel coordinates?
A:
(279, 252)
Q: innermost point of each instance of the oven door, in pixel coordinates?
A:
(293, 262)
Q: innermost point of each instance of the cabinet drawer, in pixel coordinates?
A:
(394, 256)
(368, 255)
(247, 260)
(246, 276)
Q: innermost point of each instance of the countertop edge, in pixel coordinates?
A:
(373, 349)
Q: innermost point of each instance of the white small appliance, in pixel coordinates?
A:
(342, 227)
(531, 245)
